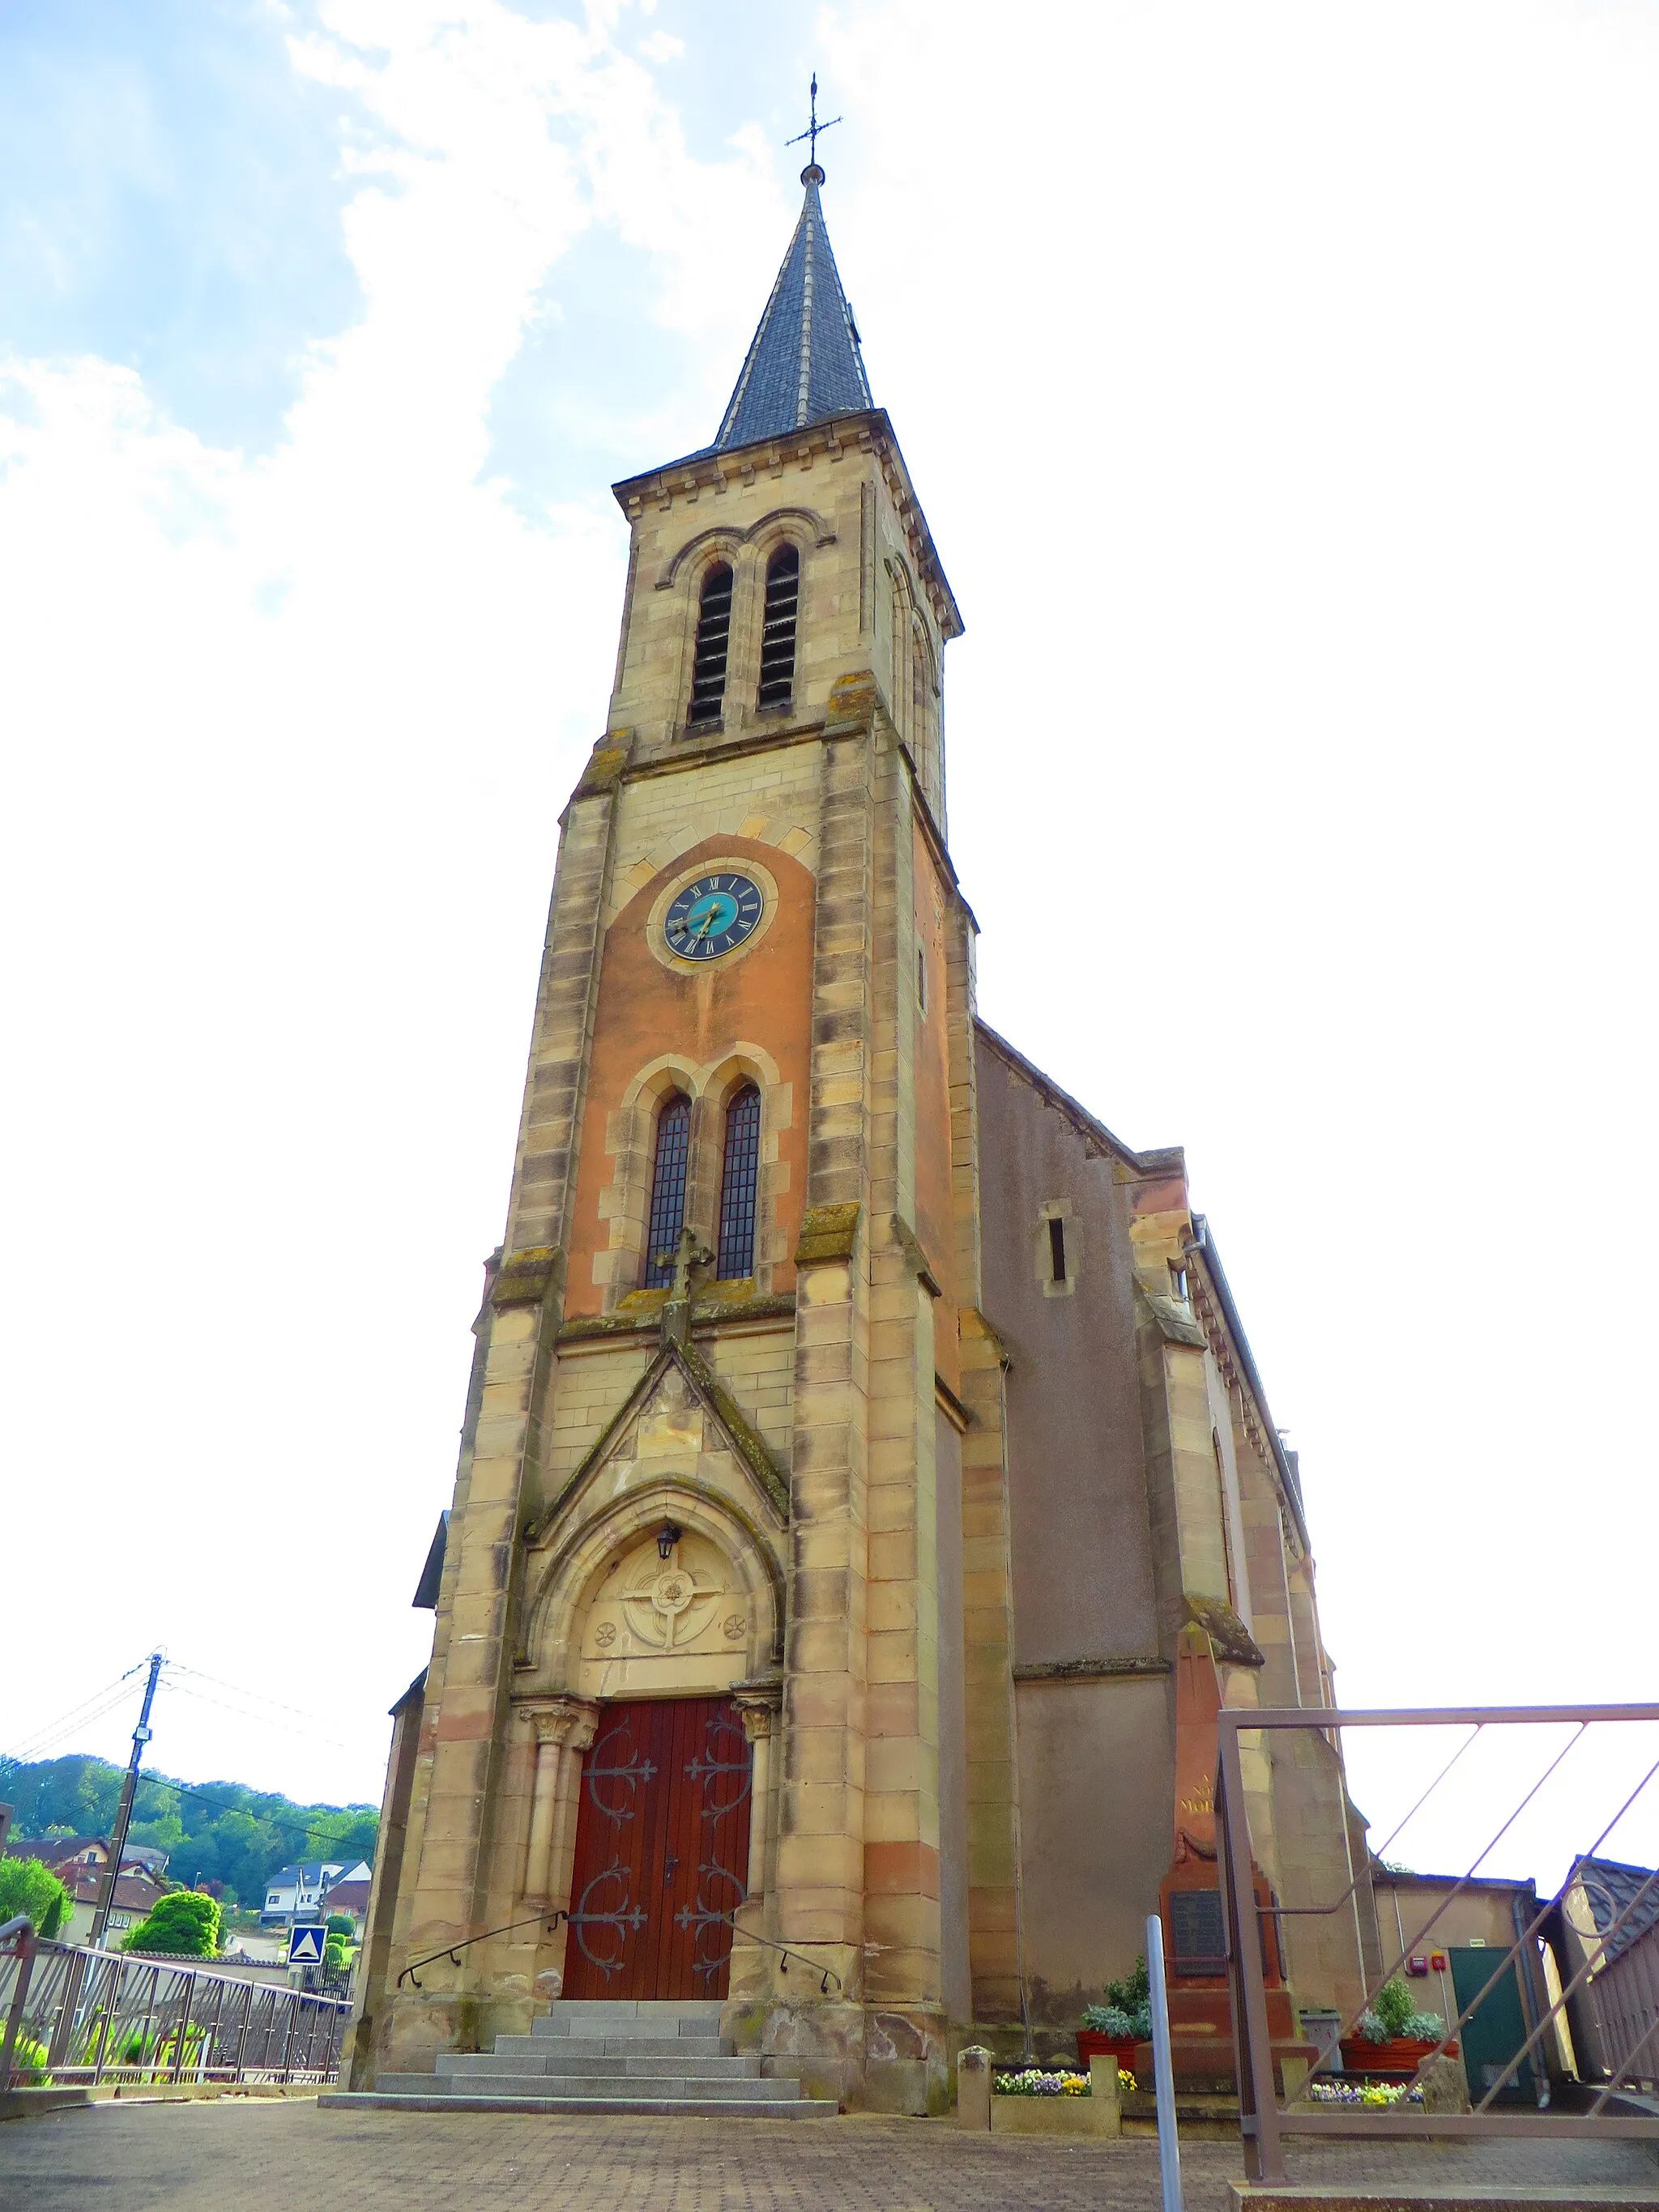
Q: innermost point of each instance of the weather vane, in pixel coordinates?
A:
(815, 126)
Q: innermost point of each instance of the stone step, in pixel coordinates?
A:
(655, 2009)
(655, 2087)
(567, 2026)
(638, 2046)
(522, 2054)
(421, 2099)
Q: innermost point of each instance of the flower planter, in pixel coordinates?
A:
(1054, 2116)
(1398, 2057)
(1091, 2044)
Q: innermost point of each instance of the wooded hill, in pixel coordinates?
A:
(213, 1832)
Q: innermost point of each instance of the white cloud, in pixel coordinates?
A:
(291, 736)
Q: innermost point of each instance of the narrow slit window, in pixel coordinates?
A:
(667, 1190)
(739, 1184)
(714, 637)
(922, 979)
(1057, 1251)
(777, 676)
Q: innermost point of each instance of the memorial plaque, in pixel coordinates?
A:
(1196, 1932)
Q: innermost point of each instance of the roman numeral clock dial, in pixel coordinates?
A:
(713, 915)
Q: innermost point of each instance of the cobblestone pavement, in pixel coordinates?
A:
(245, 2155)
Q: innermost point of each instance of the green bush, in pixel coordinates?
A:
(340, 1924)
(1393, 2005)
(26, 1885)
(184, 1922)
(1127, 2010)
(1134, 1990)
(28, 2064)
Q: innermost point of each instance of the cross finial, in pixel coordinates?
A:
(810, 134)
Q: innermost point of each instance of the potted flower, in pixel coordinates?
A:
(1392, 2037)
(1040, 2101)
(1125, 2020)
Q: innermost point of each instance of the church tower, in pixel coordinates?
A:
(733, 1403)
(805, 1641)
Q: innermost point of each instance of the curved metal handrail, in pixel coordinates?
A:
(452, 1951)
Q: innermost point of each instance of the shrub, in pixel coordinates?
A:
(340, 1924)
(1134, 1990)
(1393, 2006)
(184, 1922)
(28, 2064)
(26, 1885)
(1128, 2011)
(1423, 2026)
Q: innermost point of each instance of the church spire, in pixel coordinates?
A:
(803, 364)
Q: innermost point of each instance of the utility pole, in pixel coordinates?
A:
(141, 1737)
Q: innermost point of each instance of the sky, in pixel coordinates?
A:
(1279, 383)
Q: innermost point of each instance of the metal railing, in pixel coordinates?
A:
(79, 2018)
(553, 1915)
(1263, 2122)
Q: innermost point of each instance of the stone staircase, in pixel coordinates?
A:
(668, 2058)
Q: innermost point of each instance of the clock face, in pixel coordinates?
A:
(713, 915)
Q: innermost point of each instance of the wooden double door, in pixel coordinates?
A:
(662, 1850)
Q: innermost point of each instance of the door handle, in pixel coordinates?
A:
(670, 1867)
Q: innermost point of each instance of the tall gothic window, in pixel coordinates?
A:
(777, 677)
(667, 1189)
(738, 1185)
(714, 635)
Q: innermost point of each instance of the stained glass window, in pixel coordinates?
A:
(667, 1189)
(738, 1185)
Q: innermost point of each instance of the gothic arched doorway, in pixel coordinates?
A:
(662, 1850)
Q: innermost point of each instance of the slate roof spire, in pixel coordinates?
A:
(803, 364)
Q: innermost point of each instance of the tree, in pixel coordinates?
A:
(340, 1924)
(26, 1886)
(184, 1922)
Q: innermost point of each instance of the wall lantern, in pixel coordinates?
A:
(667, 1536)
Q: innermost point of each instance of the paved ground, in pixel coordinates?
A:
(243, 2155)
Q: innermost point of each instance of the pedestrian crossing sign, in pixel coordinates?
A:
(305, 1946)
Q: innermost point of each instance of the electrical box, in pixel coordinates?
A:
(1438, 1960)
(1418, 1965)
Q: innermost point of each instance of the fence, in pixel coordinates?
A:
(86, 2018)
(1621, 1999)
(1632, 2026)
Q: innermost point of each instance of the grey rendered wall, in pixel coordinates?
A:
(1096, 1768)
(1082, 1544)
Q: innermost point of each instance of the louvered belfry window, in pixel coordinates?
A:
(667, 1189)
(777, 677)
(714, 636)
(738, 1185)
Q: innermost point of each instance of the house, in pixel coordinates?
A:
(62, 1852)
(136, 1892)
(350, 1896)
(295, 1893)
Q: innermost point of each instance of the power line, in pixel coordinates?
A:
(77, 1715)
(264, 1720)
